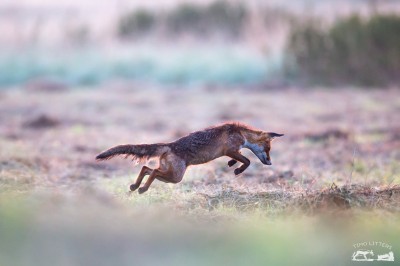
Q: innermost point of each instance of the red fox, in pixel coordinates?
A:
(196, 148)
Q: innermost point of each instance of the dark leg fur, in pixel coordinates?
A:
(231, 162)
(167, 176)
(237, 156)
(150, 180)
(145, 171)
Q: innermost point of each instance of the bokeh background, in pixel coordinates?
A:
(200, 42)
(77, 77)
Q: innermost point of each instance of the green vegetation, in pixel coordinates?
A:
(136, 23)
(91, 227)
(219, 17)
(354, 50)
(202, 43)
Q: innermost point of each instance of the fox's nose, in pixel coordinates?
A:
(267, 162)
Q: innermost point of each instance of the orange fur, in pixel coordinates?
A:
(197, 148)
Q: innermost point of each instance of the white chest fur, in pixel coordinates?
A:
(253, 147)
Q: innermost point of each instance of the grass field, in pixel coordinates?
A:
(334, 181)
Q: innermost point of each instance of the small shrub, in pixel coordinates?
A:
(186, 17)
(352, 51)
(218, 17)
(226, 17)
(137, 22)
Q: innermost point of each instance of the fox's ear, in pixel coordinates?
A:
(273, 135)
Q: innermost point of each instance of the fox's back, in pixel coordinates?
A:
(203, 146)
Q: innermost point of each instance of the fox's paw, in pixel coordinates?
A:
(231, 162)
(133, 187)
(238, 171)
(142, 190)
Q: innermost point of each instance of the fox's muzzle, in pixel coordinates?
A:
(267, 162)
(264, 158)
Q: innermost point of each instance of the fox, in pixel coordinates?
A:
(196, 148)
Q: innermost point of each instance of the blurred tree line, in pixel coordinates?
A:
(354, 50)
(277, 44)
(219, 17)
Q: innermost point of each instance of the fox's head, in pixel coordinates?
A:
(260, 145)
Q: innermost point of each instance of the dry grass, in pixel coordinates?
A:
(335, 168)
(298, 200)
(52, 138)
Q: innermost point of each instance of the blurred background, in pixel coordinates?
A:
(200, 42)
(77, 77)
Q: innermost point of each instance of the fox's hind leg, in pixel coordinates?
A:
(149, 181)
(167, 176)
(145, 171)
(171, 170)
(236, 156)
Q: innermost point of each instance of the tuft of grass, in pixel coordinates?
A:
(308, 201)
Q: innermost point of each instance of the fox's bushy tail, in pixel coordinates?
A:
(139, 152)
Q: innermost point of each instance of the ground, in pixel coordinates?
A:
(334, 179)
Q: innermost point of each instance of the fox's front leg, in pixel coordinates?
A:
(236, 156)
(232, 162)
